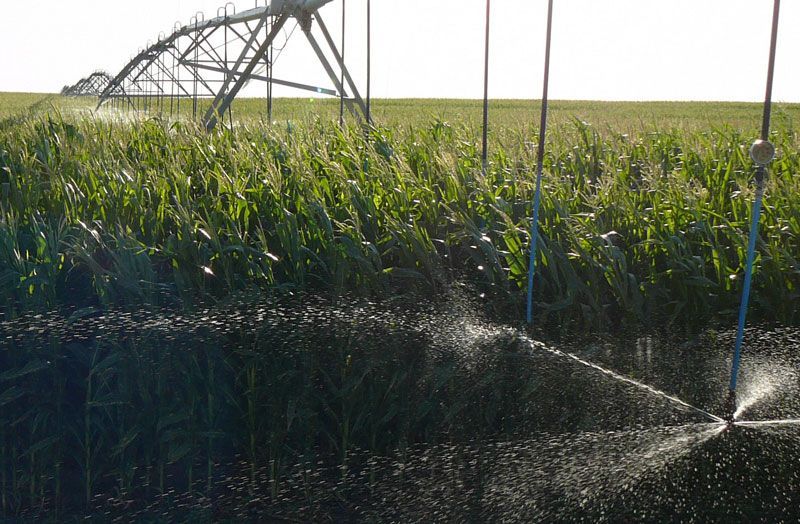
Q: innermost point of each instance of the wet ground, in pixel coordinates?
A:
(595, 429)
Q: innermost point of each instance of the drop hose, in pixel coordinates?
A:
(762, 152)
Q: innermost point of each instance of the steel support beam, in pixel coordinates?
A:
(329, 70)
(221, 55)
(266, 78)
(225, 96)
(340, 61)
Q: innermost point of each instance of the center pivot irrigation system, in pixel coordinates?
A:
(216, 58)
(762, 152)
(92, 85)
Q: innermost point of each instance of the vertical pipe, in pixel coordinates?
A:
(172, 88)
(773, 45)
(341, 81)
(147, 91)
(195, 72)
(164, 80)
(157, 92)
(369, 61)
(150, 84)
(270, 57)
(161, 88)
(157, 87)
(194, 84)
(178, 78)
(537, 197)
(225, 57)
(230, 107)
(485, 148)
(748, 277)
(268, 64)
(761, 172)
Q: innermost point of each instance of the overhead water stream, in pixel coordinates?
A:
(616, 376)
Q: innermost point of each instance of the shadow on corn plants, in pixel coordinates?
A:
(136, 406)
(300, 407)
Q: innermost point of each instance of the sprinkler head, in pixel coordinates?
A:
(762, 152)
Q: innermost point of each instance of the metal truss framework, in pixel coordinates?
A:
(214, 59)
(92, 85)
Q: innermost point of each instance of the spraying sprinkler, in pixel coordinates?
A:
(762, 152)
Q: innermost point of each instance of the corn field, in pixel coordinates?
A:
(139, 355)
(99, 213)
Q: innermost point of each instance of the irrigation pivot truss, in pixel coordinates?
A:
(92, 85)
(212, 60)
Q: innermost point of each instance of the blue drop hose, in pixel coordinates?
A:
(537, 196)
(748, 279)
(760, 176)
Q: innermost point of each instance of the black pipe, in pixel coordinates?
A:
(485, 150)
(161, 90)
(773, 44)
(545, 90)
(196, 57)
(270, 55)
(172, 88)
(341, 80)
(369, 59)
(230, 107)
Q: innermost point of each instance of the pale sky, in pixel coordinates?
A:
(602, 49)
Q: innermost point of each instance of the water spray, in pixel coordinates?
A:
(762, 152)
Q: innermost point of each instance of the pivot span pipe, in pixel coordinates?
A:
(197, 61)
